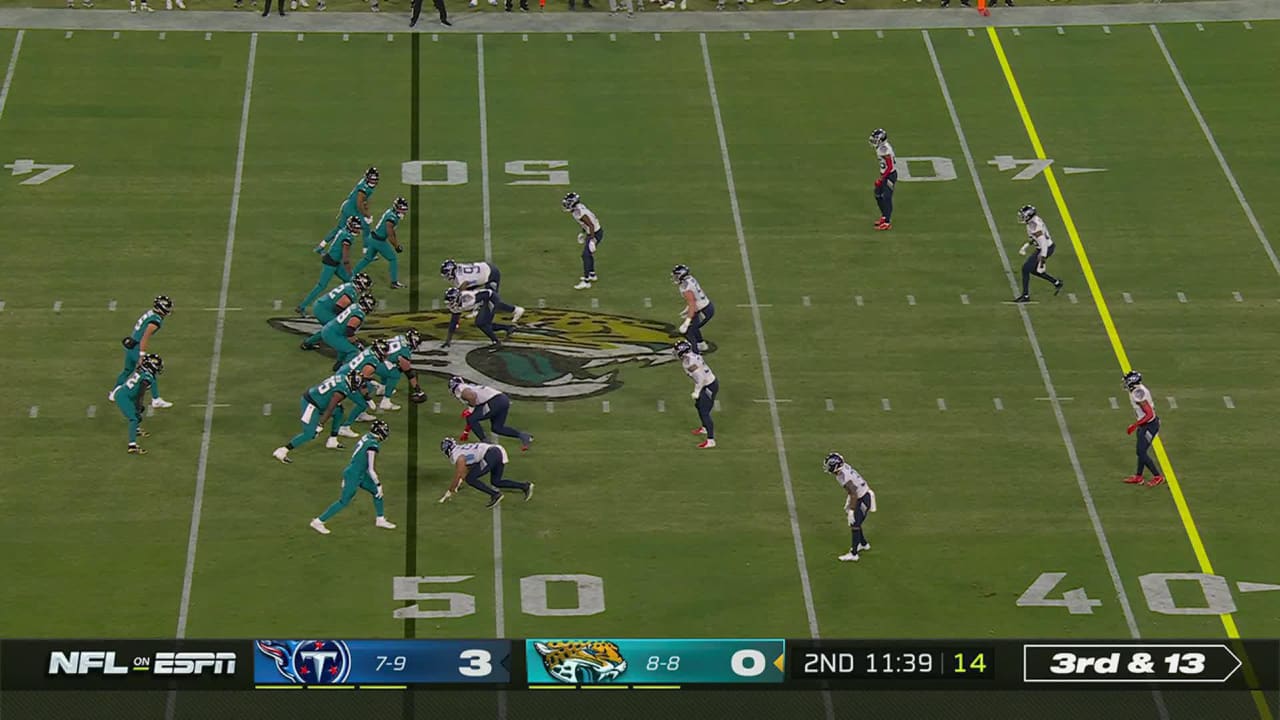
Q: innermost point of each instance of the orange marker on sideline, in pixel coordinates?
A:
(982, 8)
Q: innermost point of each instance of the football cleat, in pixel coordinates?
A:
(143, 433)
(884, 226)
(704, 346)
(384, 523)
(708, 443)
(878, 223)
(386, 404)
(332, 443)
(365, 417)
(1132, 379)
(850, 556)
(1022, 299)
(346, 431)
(319, 527)
(307, 346)
(517, 314)
(135, 450)
(570, 200)
(494, 500)
(1057, 287)
(160, 403)
(528, 492)
(864, 546)
(1026, 212)
(380, 430)
(525, 443)
(833, 462)
(282, 454)
(1133, 480)
(1156, 480)
(700, 431)
(583, 284)
(398, 286)
(162, 304)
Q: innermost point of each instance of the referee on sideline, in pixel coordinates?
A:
(417, 8)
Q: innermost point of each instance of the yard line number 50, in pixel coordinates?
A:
(589, 591)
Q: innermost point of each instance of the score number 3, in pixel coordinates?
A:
(479, 663)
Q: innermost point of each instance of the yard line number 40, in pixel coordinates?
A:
(1155, 586)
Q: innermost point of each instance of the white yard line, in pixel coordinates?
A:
(1103, 543)
(805, 585)
(13, 65)
(211, 395)
(1217, 152)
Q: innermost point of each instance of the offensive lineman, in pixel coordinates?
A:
(485, 403)
(1037, 235)
(396, 354)
(135, 346)
(337, 332)
(128, 396)
(888, 177)
(355, 206)
(698, 309)
(476, 275)
(472, 461)
(590, 237)
(319, 403)
(705, 388)
(382, 239)
(335, 259)
(859, 501)
(360, 474)
(335, 301)
(1147, 426)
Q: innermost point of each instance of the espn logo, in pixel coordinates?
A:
(90, 662)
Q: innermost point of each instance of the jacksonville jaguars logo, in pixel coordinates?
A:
(307, 662)
(582, 663)
(554, 354)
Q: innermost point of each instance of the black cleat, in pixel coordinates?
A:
(1022, 299)
(306, 345)
(143, 433)
(494, 500)
(1057, 287)
(398, 286)
(135, 450)
(528, 492)
(446, 23)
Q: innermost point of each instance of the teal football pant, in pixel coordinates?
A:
(131, 357)
(349, 487)
(129, 409)
(323, 315)
(374, 247)
(336, 338)
(311, 423)
(326, 276)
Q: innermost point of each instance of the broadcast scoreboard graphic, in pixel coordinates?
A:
(636, 663)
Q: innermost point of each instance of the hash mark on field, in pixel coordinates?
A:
(1128, 299)
(998, 403)
(835, 34)
(161, 36)
(1182, 297)
(111, 305)
(382, 303)
(524, 37)
(299, 37)
(70, 33)
(216, 309)
(1072, 297)
(716, 407)
(831, 406)
(1173, 402)
(551, 407)
(57, 306)
(964, 299)
(1238, 297)
(1106, 29)
(1248, 25)
(568, 37)
(217, 405)
(92, 411)
(749, 305)
(613, 37)
(1057, 397)
(542, 302)
(435, 408)
(1226, 400)
(151, 410)
(604, 406)
(435, 303)
(114, 36)
(266, 409)
(1016, 31)
(884, 404)
(657, 37)
(1061, 31)
(911, 299)
(390, 37)
(791, 36)
(1, 305)
(971, 32)
(746, 36)
(435, 37)
(880, 34)
(857, 300)
(1115, 404)
(942, 404)
(662, 406)
(648, 302)
(276, 304)
(595, 303)
(35, 410)
(805, 301)
(1200, 27)
(765, 400)
(346, 37)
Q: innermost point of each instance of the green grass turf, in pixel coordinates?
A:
(975, 502)
(461, 6)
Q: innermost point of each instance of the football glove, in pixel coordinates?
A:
(399, 249)
(129, 343)
(1040, 266)
(368, 220)
(582, 238)
(695, 394)
(418, 396)
(1023, 250)
(448, 495)
(879, 182)
(466, 413)
(684, 326)
(379, 493)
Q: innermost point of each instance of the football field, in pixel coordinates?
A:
(205, 166)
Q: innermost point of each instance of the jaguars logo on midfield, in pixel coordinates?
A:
(582, 663)
(554, 354)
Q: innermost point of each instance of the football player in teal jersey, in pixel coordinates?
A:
(378, 374)
(137, 342)
(319, 403)
(382, 240)
(335, 260)
(355, 206)
(361, 474)
(337, 333)
(334, 302)
(397, 354)
(128, 395)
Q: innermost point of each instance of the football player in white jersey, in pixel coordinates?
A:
(485, 403)
(887, 179)
(1147, 426)
(705, 388)
(590, 237)
(472, 461)
(859, 500)
(464, 301)
(698, 309)
(1037, 236)
(476, 275)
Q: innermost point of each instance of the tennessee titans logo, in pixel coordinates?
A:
(309, 662)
